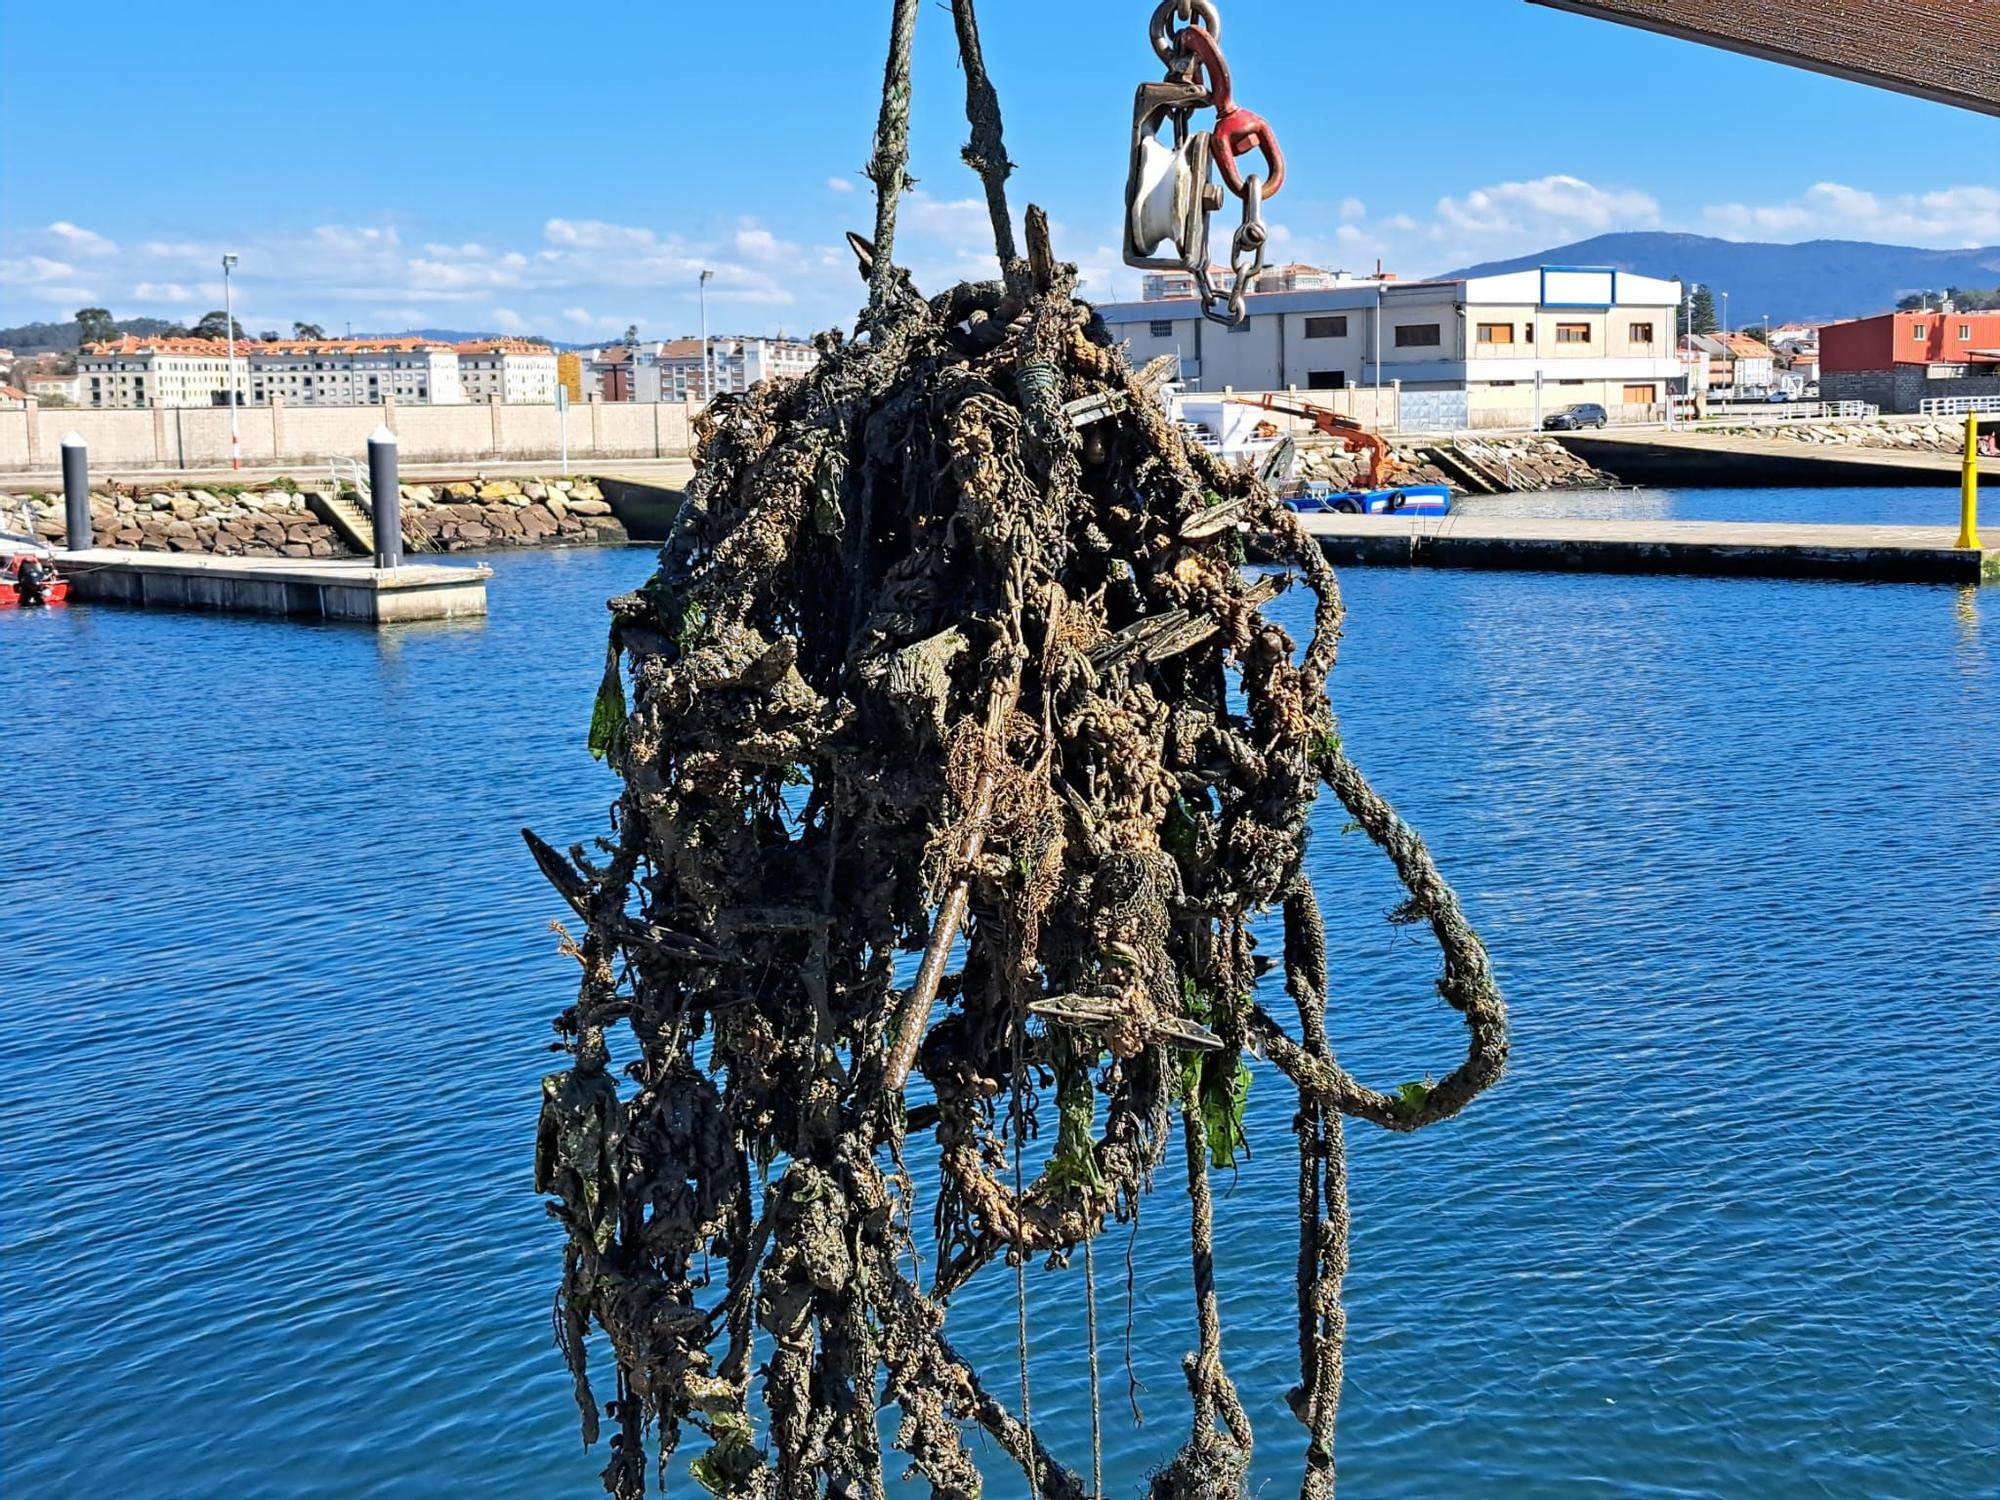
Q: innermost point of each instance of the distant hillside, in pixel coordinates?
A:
(64, 338)
(465, 336)
(1817, 280)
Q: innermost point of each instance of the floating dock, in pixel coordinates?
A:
(351, 589)
(1746, 549)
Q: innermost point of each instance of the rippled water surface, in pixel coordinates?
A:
(279, 979)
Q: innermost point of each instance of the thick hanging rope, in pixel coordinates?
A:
(950, 655)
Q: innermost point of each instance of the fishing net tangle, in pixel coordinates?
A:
(951, 653)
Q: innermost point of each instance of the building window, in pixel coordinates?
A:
(1496, 333)
(1642, 333)
(1920, 331)
(1161, 328)
(1419, 336)
(1640, 395)
(1326, 380)
(1572, 333)
(1964, 332)
(1326, 328)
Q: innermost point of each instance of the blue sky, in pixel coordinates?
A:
(567, 169)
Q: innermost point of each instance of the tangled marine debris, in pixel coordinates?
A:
(950, 654)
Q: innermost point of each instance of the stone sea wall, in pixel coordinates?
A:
(509, 513)
(1910, 435)
(279, 521)
(1517, 464)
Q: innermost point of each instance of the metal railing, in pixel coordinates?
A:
(1958, 406)
(1789, 411)
(351, 474)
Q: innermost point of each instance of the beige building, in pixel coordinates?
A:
(516, 371)
(1487, 352)
(68, 389)
(133, 371)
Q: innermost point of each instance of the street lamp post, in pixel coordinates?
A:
(229, 317)
(707, 361)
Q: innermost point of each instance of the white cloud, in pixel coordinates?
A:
(1352, 209)
(595, 234)
(351, 241)
(839, 185)
(1946, 217)
(756, 243)
(168, 291)
(508, 321)
(33, 270)
(1559, 202)
(82, 241)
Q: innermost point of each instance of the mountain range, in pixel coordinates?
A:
(1815, 281)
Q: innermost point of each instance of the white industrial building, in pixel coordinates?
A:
(1485, 352)
(518, 372)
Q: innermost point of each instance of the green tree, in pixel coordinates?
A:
(1701, 315)
(94, 325)
(217, 325)
(308, 331)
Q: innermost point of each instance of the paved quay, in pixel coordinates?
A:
(1747, 549)
(351, 589)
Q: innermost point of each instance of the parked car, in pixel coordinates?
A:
(1571, 418)
(1779, 396)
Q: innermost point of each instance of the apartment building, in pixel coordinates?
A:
(675, 370)
(1164, 286)
(514, 371)
(352, 372)
(1485, 352)
(141, 372)
(133, 371)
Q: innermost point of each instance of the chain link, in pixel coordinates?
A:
(1187, 36)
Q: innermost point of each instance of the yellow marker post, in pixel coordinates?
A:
(1968, 510)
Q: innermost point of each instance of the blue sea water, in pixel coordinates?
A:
(280, 973)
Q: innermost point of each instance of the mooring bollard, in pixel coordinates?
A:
(386, 500)
(76, 491)
(1968, 507)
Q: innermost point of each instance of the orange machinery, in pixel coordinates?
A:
(1383, 465)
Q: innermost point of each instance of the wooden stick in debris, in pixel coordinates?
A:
(914, 1017)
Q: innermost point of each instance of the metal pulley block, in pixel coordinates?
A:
(1169, 193)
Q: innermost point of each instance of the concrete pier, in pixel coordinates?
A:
(349, 589)
(1903, 554)
(1703, 459)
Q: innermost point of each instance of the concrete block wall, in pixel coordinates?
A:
(1902, 390)
(197, 437)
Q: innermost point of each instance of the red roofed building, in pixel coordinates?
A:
(1899, 360)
